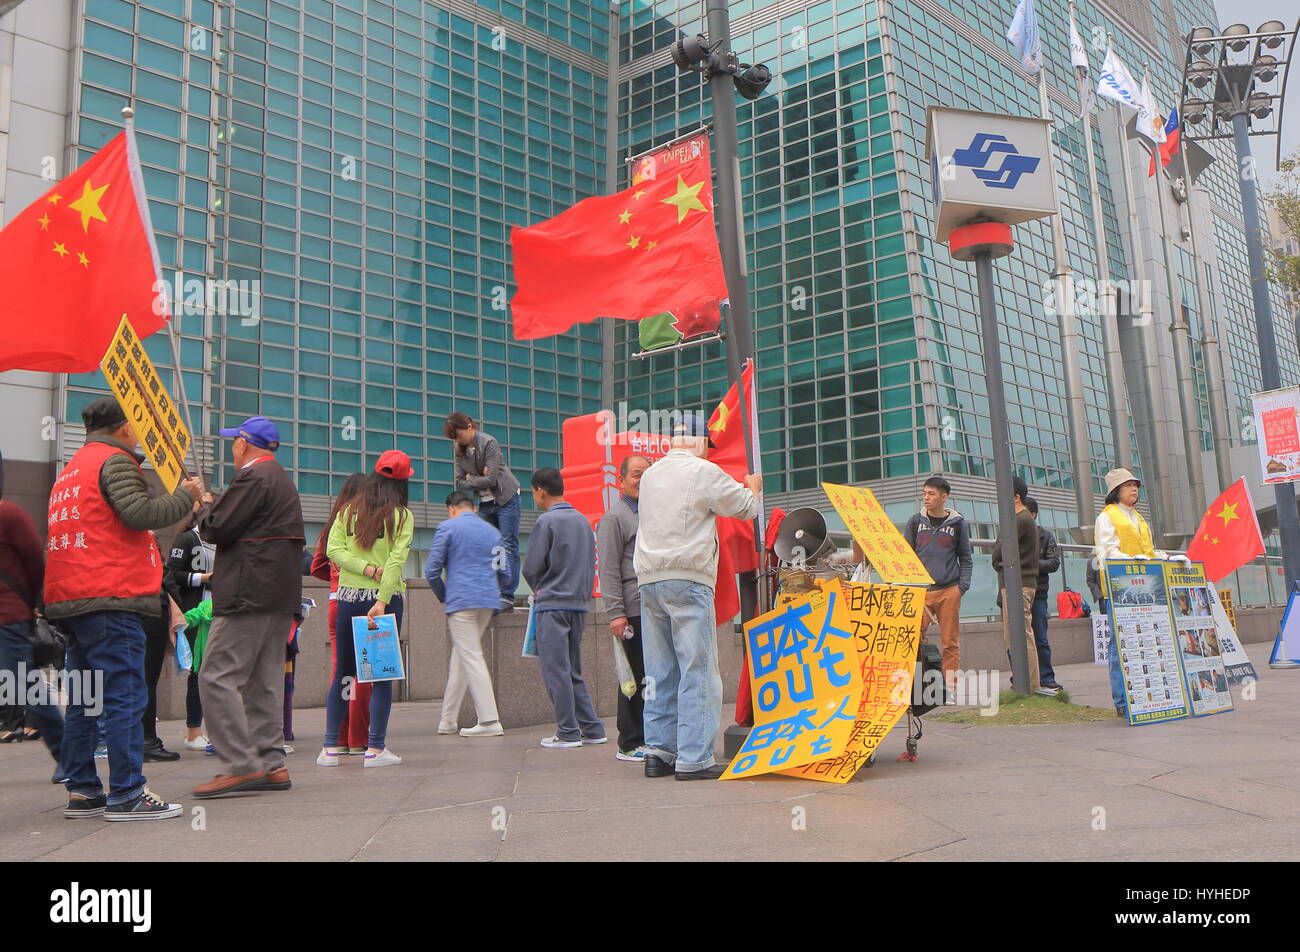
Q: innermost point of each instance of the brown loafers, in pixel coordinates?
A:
(222, 784)
(277, 779)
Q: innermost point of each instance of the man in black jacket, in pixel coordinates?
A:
(256, 590)
(1049, 560)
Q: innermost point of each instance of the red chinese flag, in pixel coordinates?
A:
(728, 434)
(74, 262)
(649, 249)
(1228, 536)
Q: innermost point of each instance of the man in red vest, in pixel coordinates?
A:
(102, 572)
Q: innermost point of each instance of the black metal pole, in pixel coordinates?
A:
(1012, 605)
(1288, 522)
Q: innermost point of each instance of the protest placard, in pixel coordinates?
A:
(881, 542)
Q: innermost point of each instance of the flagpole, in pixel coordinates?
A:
(1178, 330)
(128, 114)
(1109, 327)
(1076, 407)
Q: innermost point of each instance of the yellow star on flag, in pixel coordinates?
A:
(634, 242)
(638, 193)
(88, 204)
(723, 412)
(59, 249)
(1229, 512)
(45, 222)
(1214, 541)
(686, 198)
(624, 218)
(650, 245)
(54, 199)
(82, 259)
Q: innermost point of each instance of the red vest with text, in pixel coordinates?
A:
(91, 553)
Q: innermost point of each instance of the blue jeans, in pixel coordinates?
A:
(683, 694)
(1113, 666)
(381, 693)
(112, 642)
(1045, 673)
(16, 649)
(506, 519)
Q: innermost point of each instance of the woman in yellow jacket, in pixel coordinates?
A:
(369, 542)
(1122, 533)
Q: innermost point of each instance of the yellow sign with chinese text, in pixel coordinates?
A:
(803, 667)
(886, 624)
(881, 542)
(155, 419)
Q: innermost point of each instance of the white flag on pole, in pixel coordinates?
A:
(1079, 60)
(1023, 35)
(1078, 55)
(1117, 83)
(1149, 123)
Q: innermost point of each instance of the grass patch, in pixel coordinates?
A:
(1016, 709)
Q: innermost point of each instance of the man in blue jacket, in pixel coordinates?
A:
(477, 565)
(561, 568)
(941, 539)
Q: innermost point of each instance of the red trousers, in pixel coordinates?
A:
(355, 729)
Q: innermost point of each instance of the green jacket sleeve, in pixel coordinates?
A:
(199, 613)
(339, 548)
(397, 554)
(127, 492)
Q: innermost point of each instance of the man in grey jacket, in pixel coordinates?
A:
(677, 564)
(482, 471)
(561, 568)
(616, 542)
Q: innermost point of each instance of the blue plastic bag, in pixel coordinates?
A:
(184, 657)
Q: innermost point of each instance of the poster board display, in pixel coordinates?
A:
(1191, 606)
(1100, 638)
(1277, 432)
(1144, 636)
(1235, 658)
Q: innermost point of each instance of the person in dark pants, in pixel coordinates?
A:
(22, 579)
(1049, 560)
(561, 568)
(616, 541)
(190, 569)
(481, 470)
(157, 634)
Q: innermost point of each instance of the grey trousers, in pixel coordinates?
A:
(559, 650)
(241, 686)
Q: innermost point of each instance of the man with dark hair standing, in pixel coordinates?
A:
(256, 591)
(470, 550)
(1027, 542)
(1049, 560)
(561, 568)
(481, 469)
(616, 542)
(103, 572)
(941, 539)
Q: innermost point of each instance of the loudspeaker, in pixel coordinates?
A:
(803, 536)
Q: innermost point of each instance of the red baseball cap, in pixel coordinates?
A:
(394, 464)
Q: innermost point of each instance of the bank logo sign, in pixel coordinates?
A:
(986, 148)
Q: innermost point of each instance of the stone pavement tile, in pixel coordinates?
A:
(227, 838)
(1245, 839)
(452, 834)
(1214, 786)
(823, 829)
(1026, 811)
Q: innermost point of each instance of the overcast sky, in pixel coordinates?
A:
(1253, 13)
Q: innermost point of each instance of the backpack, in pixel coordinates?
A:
(1069, 604)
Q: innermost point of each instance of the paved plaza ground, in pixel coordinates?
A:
(1218, 788)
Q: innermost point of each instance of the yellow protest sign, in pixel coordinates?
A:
(806, 687)
(882, 543)
(886, 624)
(164, 437)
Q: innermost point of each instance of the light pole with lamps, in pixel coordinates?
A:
(1237, 81)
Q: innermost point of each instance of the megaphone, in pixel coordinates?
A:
(803, 537)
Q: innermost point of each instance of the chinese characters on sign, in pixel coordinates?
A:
(881, 542)
(803, 666)
(885, 621)
(1277, 430)
(157, 422)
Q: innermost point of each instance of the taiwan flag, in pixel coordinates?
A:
(1228, 536)
(1170, 145)
(647, 251)
(77, 260)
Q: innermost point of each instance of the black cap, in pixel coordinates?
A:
(103, 414)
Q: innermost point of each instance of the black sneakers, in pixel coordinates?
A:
(657, 766)
(154, 751)
(147, 806)
(79, 806)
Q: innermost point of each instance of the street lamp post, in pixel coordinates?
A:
(1229, 79)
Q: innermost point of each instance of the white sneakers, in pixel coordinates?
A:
(595, 740)
(198, 743)
(385, 758)
(329, 756)
(482, 730)
(447, 729)
(554, 741)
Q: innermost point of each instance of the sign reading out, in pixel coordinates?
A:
(154, 418)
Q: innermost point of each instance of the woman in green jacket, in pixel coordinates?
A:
(369, 543)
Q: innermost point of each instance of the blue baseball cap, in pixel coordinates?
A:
(257, 430)
(693, 425)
